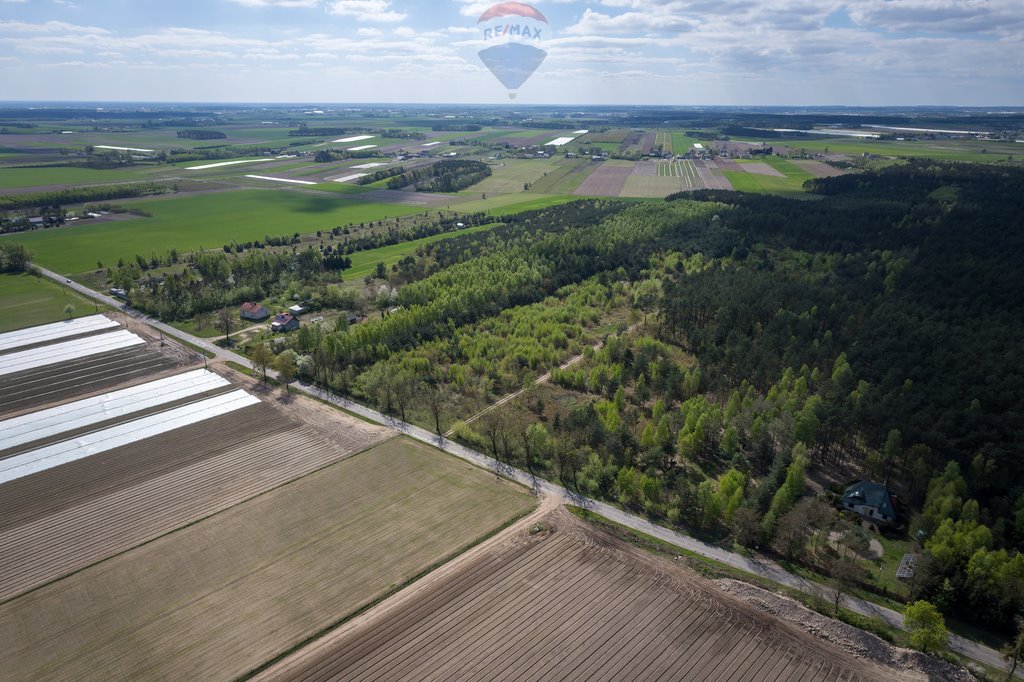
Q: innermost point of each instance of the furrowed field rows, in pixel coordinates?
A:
(39, 386)
(49, 546)
(220, 597)
(575, 604)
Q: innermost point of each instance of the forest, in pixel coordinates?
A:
(752, 344)
(741, 359)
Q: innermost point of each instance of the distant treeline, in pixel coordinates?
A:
(391, 133)
(78, 195)
(456, 127)
(449, 175)
(329, 155)
(380, 175)
(201, 134)
(304, 131)
(209, 154)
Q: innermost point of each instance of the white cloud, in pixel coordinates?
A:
(278, 3)
(946, 16)
(404, 32)
(366, 10)
(473, 8)
(630, 22)
(48, 27)
(370, 32)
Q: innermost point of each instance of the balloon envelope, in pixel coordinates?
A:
(512, 63)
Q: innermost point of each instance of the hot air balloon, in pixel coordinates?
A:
(512, 31)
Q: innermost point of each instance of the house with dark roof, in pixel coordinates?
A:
(254, 311)
(284, 322)
(873, 501)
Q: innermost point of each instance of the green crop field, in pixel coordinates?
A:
(207, 220)
(11, 178)
(790, 185)
(508, 176)
(681, 143)
(949, 150)
(364, 262)
(565, 178)
(512, 203)
(27, 300)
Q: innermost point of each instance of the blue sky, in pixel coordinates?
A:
(685, 52)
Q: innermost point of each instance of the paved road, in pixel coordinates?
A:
(758, 566)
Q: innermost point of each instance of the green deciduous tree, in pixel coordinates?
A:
(926, 626)
(261, 357)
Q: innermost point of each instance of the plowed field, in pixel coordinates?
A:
(571, 604)
(220, 597)
(57, 383)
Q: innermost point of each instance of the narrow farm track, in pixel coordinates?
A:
(571, 603)
(542, 379)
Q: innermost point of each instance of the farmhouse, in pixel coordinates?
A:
(284, 322)
(254, 311)
(870, 500)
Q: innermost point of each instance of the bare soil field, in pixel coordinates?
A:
(217, 599)
(711, 175)
(54, 383)
(638, 185)
(613, 135)
(646, 169)
(533, 140)
(571, 603)
(817, 168)
(633, 139)
(728, 164)
(97, 509)
(606, 181)
(648, 142)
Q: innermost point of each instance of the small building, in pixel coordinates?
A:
(254, 311)
(871, 500)
(284, 322)
(296, 309)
